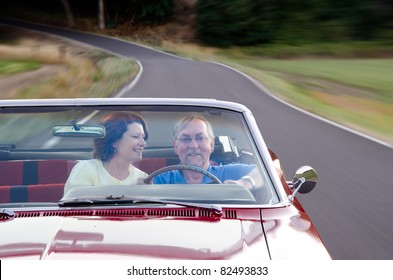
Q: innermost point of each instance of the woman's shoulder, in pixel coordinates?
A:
(89, 163)
(139, 173)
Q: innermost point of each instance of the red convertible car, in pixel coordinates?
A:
(45, 214)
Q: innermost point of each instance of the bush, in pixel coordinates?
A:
(248, 22)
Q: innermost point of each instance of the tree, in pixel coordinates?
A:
(101, 14)
(235, 22)
(68, 12)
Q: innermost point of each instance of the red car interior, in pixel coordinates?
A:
(43, 180)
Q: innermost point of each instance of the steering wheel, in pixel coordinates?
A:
(182, 167)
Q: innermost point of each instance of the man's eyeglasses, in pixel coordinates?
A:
(188, 140)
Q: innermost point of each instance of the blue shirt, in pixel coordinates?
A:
(223, 172)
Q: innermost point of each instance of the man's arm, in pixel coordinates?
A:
(251, 181)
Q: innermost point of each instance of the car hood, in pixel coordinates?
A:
(95, 237)
(280, 233)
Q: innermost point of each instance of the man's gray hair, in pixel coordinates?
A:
(186, 120)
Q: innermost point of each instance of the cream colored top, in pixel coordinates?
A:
(93, 173)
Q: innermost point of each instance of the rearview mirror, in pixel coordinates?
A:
(77, 130)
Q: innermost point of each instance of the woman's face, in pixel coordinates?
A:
(131, 144)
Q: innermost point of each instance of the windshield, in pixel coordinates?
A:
(52, 154)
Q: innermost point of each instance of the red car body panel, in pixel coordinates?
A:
(126, 237)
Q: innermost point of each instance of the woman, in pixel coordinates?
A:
(115, 154)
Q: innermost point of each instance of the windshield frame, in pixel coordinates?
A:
(144, 105)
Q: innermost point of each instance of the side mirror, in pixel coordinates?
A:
(303, 181)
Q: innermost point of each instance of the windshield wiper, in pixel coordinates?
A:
(76, 202)
(137, 199)
(215, 208)
(94, 200)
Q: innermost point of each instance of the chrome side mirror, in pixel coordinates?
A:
(303, 181)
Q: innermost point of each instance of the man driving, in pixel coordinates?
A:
(193, 142)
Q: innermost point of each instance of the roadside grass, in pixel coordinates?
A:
(365, 114)
(85, 79)
(367, 109)
(371, 75)
(345, 49)
(78, 70)
(13, 67)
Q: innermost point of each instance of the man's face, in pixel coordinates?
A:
(193, 145)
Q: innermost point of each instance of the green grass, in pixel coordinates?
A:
(372, 75)
(348, 49)
(312, 89)
(14, 67)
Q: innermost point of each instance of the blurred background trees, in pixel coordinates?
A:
(241, 22)
(247, 22)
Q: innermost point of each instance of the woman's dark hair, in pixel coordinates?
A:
(115, 124)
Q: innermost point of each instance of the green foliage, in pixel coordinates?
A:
(247, 22)
(234, 22)
(116, 11)
(140, 11)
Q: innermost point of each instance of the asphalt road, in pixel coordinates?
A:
(351, 206)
